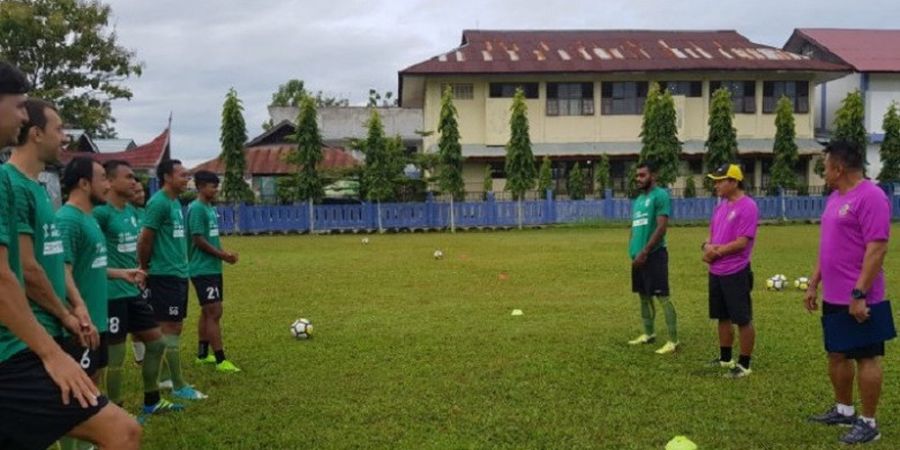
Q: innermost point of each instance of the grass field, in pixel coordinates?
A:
(411, 352)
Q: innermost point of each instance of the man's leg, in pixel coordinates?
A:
(171, 334)
(671, 317)
(726, 339)
(111, 428)
(870, 380)
(203, 339)
(648, 314)
(213, 314)
(748, 341)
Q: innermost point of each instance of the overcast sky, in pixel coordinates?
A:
(195, 50)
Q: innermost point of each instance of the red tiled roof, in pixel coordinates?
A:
(865, 50)
(593, 51)
(270, 160)
(144, 157)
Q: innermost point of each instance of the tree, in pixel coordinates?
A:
(488, 183)
(849, 123)
(71, 58)
(545, 176)
(286, 189)
(450, 159)
(784, 174)
(233, 137)
(520, 170)
(659, 135)
(307, 156)
(576, 183)
(601, 175)
(294, 91)
(631, 189)
(385, 100)
(721, 143)
(384, 163)
(890, 146)
(690, 187)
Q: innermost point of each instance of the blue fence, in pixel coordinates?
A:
(432, 215)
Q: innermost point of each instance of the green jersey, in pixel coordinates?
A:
(85, 250)
(163, 215)
(203, 220)
(121, 228)
(34, 216)
(644, 211)
(9, 343)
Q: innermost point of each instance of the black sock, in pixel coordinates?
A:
(725, 354)
(220, 356)
(203, 349)
(151, 398)
(744, 361)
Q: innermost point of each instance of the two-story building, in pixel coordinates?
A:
(874, 56)
(585, 94)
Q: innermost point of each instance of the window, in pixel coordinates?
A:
(461, 91)
(797, 91)
(508, 90)
(624, 97)
(685, 88)
(570, 99)
(743, 94)
(498, 169)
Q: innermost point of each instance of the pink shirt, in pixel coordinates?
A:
(731, 220)
(851, 221)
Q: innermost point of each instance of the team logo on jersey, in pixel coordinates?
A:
(732, 215)
(844, 210)
(647, 203)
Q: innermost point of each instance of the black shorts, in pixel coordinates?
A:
(869, 351)
(32, 415)
(91, 360)
(129, 315)
(653, 277)
(209, 288)
(168, 296)
(729, 296)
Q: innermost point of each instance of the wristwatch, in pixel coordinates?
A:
(858, 294)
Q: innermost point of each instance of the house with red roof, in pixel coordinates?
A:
(585, 92)
(874, 56)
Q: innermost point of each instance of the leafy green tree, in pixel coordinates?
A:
(545, 176)
(520, 167)
(576, 183)
(721, 143)
(784, 173)
(233, 137)
(849, 123)
(450, 162)
(307, 156)
(890, 146)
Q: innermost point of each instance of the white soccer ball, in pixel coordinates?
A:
(365, 240)
(776, 283)
(438, 254)
(301, 329)
(801, 283)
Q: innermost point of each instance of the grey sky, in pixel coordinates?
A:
(195, 50)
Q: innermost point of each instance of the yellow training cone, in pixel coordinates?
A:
(681, 443)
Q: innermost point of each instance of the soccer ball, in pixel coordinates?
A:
(776, 283)
(301, 329)
(801, 283)
(438, 254)
(365, 240)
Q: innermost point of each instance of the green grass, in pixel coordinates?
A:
(410, 352)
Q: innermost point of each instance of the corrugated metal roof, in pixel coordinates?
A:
(144, 157)
(270, 160)
(491, 51)
(865, 50)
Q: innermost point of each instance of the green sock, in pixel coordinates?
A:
(153, 359)
(173, 359)
(114, 373)
(164, 372)
(648, 314)
(671, 317)
(67, 443)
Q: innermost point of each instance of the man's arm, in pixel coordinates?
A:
(145, 248)
(79, 309)
(206, 247)
(16, 315)
(812, 292)
(872, 263)
(662, 222)
(40, 290)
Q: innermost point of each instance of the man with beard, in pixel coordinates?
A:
(650, 258)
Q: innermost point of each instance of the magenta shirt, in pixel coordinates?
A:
(731, 220)
(851, 221)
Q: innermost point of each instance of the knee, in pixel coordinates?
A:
(130, 435)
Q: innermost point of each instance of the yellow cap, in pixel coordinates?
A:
(732, 171)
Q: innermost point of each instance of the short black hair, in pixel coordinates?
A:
(12, 80)
(37, 117)
(112, 165)
(847, 153)
(650, 165)
(204, 177)
(166, 167)
(80, 168)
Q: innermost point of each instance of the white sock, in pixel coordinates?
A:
(845, 410)
(869, 421)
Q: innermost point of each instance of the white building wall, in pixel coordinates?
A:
(884, 88)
